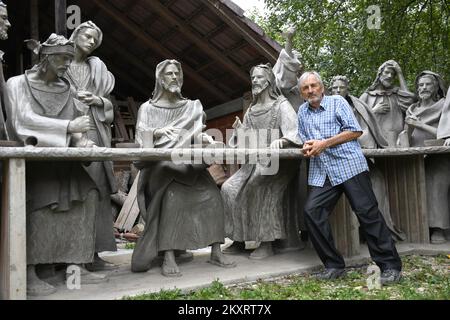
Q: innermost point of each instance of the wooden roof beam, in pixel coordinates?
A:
(219, 8)
(186, 30)
(151, 42)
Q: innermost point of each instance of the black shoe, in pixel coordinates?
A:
(390, 276)
(330, 274)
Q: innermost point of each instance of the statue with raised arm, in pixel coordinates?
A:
(180, 203)
(424, 122)
(388, 102)
(254, 201)
(288, 70)
(61, 197)
(93, 84)
(371, 138)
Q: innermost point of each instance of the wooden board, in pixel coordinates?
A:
(130, 209)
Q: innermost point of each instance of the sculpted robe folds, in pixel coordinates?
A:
(437, 167)
(100, 82)
(392, 122)
(60, 195)
(254, 203)
(180, 204)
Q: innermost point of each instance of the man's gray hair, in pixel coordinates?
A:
(305, 75)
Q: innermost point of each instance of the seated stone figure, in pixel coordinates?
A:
(389, 102)
(180, 204)
(423, 119)
(253, 200)
(61, 196)
(371, 138)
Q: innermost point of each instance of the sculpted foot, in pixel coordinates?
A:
(219, 259)
(169, 267)
(263, 251)
(86, 276)
(35, 286)
(237, 247)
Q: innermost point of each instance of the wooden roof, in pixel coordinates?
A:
(216, 44)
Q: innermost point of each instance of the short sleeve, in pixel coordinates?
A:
(346, 117)
(301, 126)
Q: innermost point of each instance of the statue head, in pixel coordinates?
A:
(262, 78)
(430, 85)
(56, 54)
(385, 76)
(311, 87)
(87, 37)
(339, 86)
(168, 78)
(4, 22)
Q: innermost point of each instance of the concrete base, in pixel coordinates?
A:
(198, 273)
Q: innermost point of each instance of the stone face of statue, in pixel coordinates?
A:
(259, 81)
(4, 23)
(387, 77)
(171, 79)
(87, 40)
(59, 63)
(340, 88)
(426, 88)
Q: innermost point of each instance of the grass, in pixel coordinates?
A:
(424, 278)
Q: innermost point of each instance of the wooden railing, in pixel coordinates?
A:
(13, 219)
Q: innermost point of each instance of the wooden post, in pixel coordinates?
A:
(60, 17)
(13, 263)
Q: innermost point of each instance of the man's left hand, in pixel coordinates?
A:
(277, 144)
(313, 148)
(89, 98)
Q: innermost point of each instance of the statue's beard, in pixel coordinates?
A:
(387, 83)
(425, 95)
(258, 89)
(172, 87)
(3, 34)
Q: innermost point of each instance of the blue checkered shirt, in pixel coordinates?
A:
(338, 163)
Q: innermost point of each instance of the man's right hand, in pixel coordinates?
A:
(381, 108)
(79, 125)
(289, 33)
(237, 123)
(447, 142)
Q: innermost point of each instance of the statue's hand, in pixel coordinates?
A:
(207, 139)
(381, 108)
(289, 33)
(447, 142)
(277, 144)
(413, 121)
(237, 123)
(396, 67)
(79, 125)
(170, 132)
(89, 98)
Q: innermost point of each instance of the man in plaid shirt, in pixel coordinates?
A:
(337, 165)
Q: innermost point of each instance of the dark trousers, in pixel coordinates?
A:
(359, 192)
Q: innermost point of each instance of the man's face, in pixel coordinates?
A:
(171, 80)
(311, 90)
(339, 88)
(4, 23)
(59, 63)
(259, 81)
(387, 77)
(87, 40)
(426, 88)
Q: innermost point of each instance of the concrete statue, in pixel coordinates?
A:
(4, 26)
(253, 200)
(93, 84)
(423, 119)
(389, 102)
(371, 138)
(61, 197)
(180, 204)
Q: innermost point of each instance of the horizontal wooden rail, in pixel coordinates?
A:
(151, 154)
